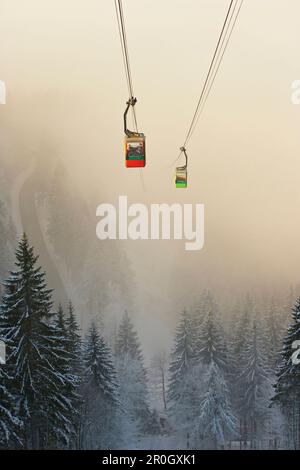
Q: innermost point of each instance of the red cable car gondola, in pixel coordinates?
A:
(135, 155)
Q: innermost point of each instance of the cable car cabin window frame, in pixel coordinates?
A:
(131, 160)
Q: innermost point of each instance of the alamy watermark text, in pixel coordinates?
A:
(160, 221)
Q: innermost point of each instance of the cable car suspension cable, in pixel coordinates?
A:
(218, 64)
(208, 74)
(124, 45)
(216, 55)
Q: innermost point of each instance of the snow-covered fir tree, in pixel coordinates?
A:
(132, 377)
(216, 422)
(273, 333)
(182, 389)
(254, 381)
(241, 333)
(64, 364)
(100, 394)
(10, 425)
(74, 339)
(36, 361)
(287, 387)
(243, 324)
(211, 342)
(75, 353)
(199, 312)
(288, 302)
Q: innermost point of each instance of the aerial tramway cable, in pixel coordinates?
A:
(135, 155)
(216, 55)
(124, 46)
(224, 38)
(135, 141)
(218, 62)
(208, 74)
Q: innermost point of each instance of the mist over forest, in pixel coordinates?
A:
(140, 344)
(217, 381)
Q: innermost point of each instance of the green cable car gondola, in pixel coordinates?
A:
(181, 172)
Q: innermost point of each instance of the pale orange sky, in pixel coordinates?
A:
(244, 160)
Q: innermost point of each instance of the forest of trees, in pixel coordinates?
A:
(223, 385)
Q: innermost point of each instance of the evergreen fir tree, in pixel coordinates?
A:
(63, 364)
(34, 353)
(186, 373)
(74, 339)
(246, 316)
(75, 353)
(211, 343)
(60, 321)
(132, 376)
(254, 381)
(288, 303)
(287, 387)
(216, 421)
(199, 313)
(274, 332)
(10, 425)
(182, 360)
(241, 335)
(100, 393)
(128, 345)
(99, 369)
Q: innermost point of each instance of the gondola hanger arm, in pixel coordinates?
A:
(183, 150)
(131, 102)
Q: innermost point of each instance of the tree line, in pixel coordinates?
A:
(236, 387)
(224, 385)
(58, 390)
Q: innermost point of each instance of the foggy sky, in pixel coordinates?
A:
(62, 64)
